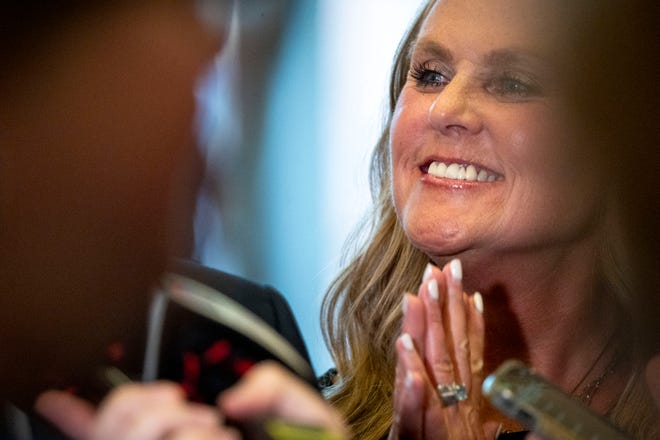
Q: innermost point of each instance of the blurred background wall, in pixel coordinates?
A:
(303, 86)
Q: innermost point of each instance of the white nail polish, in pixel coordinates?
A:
(433, 290)
(409, 380)
(478, 302)
(456, 269)
(427, 272)
(407, 342)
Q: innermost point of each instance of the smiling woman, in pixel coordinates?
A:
(493, 189)
(471, 103)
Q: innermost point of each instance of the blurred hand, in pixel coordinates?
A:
(442, 342)
(134, 411)
(269, 390)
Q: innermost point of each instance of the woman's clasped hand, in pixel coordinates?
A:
(440, 359)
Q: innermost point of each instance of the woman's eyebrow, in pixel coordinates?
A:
(499, 58)
(432, 48)
(503, 58)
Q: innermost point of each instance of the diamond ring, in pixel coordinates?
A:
(452, 393)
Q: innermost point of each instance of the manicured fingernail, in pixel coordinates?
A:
(478, 302)
(456, 269)
(409, 380)
(404, 303)
(407, 342)
(433, 290)
(427, 272)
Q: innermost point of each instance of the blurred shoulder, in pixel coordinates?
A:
(240, 289)
(263, 300)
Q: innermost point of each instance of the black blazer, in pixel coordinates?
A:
(207, 357)
(197, 352)
(264, 301)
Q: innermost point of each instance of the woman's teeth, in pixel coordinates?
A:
(455, 171)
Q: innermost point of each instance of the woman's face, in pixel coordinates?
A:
(485, 150)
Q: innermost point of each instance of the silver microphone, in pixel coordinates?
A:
(544, 408)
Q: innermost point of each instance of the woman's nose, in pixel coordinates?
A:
(454, 109)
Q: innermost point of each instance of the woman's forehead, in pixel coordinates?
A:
(486, 25)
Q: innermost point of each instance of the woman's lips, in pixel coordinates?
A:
(460, 171)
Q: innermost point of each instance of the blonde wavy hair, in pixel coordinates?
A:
(361, 312)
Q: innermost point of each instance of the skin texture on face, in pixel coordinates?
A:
(99, 119)
(486, 88)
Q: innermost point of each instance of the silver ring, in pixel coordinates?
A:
(451, 394)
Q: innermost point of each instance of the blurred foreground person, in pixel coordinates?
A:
(95, 125)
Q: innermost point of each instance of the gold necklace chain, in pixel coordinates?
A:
(588, 392)
(593, 386)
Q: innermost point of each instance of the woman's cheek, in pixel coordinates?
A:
(408, 130)
(401, 140)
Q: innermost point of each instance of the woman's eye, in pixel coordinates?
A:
(513, 88)
(428, 77)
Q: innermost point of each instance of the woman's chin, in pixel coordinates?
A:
(444, 238)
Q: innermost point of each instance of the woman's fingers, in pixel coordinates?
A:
(409, 393)
(447, 340)
(456, 316)
(440, 350)
(476, 333)
(414, 321)
(416, 406)
(454, 342)
(437, 343)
